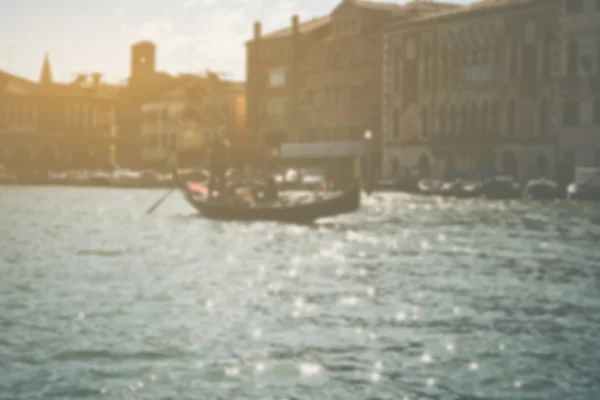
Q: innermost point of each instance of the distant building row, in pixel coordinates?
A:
(89, 124)
(510, 86)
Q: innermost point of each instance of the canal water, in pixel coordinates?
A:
(410, 298)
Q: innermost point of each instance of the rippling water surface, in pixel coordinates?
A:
(411, 298)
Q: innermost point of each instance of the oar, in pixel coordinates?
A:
(160, 201)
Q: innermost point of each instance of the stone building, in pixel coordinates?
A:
(579, 84)
(272, 82)
(48, 126)
(341, 73)
(223, 108)
(470, 91)
(181, 120)
(317, 84)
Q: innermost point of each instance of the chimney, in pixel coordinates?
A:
(81, 79)
(96, 79)
(257, 30)
(295, 23)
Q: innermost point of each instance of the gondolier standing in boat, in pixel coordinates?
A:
(218, 163)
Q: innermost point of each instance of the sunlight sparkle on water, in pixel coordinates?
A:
(349, 301)
(259, 367)
(232, 371)
(473, 366)
(426, 358)
(309, 369)
(375, 377)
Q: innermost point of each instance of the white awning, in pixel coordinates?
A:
(340, 148)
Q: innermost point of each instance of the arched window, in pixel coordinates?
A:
(543, 116)
(572, 58)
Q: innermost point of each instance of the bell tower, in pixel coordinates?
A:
(143, 59)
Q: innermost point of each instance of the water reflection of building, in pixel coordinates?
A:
(471, 90)
(579, 84)
(47, 125)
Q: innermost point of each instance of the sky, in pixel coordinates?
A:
(83, 36)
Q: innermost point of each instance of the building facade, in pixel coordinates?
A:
(320, 81)
(179, 122)
(48, 126)
(579, 85)
(341, 74)
(223, 110)
(272, 62)
(471, 92)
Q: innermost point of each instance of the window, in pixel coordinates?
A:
(411, 49)
(598, 51)
(543, 118)
(275, 108)
(276, 77)
(443, 121)
(485, 120)
(572, 58)
(571, 114)
(511, 119)
(398, 68)
(424, 122)
(573, 6)
(474, 128)
(396, 123)
(530, 32)
(426, 67)
(514, 63)
(452, 121)
(494, 118)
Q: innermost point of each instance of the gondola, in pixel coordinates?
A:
(346, 201)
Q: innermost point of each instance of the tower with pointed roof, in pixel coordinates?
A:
(46, 75)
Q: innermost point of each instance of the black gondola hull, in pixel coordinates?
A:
(347, 201)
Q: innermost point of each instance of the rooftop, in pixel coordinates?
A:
(303, 27)
(481, 5)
